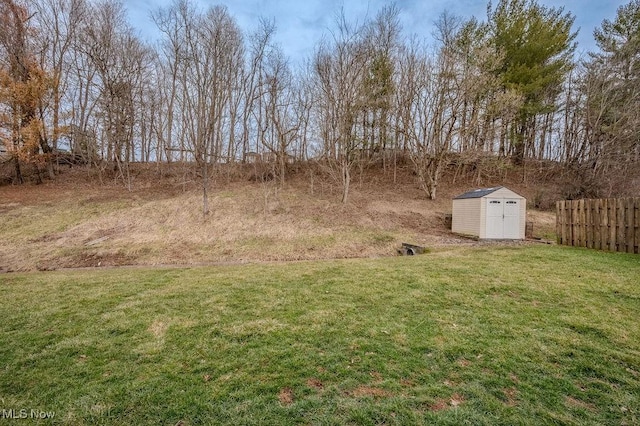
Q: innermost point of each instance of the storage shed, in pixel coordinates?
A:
(490, 213)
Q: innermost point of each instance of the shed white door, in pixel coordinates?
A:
(503, 218)
(511, 218)
(495, 218)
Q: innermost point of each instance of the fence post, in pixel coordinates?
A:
(620, 234)
(611, 210)
(636, 225)
(571, 218)
(560, 223)
(583, 223)
(558, 229)
(567, 219)
(604, 225)
(595, 223)
(628, 224)
(576, 223)
(589, 215)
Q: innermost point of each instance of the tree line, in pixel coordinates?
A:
(75, 77)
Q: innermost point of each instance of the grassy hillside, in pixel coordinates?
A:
(478, 335)
(77, 221)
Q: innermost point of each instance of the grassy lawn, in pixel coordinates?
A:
(517, 335)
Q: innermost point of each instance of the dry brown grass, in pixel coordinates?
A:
(77, 223)
(368, 391)
(544, 223)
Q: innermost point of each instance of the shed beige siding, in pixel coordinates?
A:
(523, 218)
(482, 230)
(469, 215)
(465, 218)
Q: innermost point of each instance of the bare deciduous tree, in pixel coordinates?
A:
(58, 22)
(282, 120)
(340, 69)
(206, 69)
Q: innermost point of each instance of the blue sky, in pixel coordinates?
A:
(301, 23)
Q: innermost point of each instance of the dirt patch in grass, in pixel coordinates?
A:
(439, 405)
(456, 400)
(407, 383)
(511, 397)
(285, 396)
(315, 384)
(464, 362)
(368, 391)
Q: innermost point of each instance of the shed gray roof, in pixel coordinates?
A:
(477, 193)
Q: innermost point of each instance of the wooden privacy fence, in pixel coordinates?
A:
(608, 224)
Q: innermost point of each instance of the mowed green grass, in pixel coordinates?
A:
(487, 335)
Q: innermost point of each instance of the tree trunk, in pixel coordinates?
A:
(205, 193)
(519, 144)
(283, 166)
(346, 181)
(16, 162)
